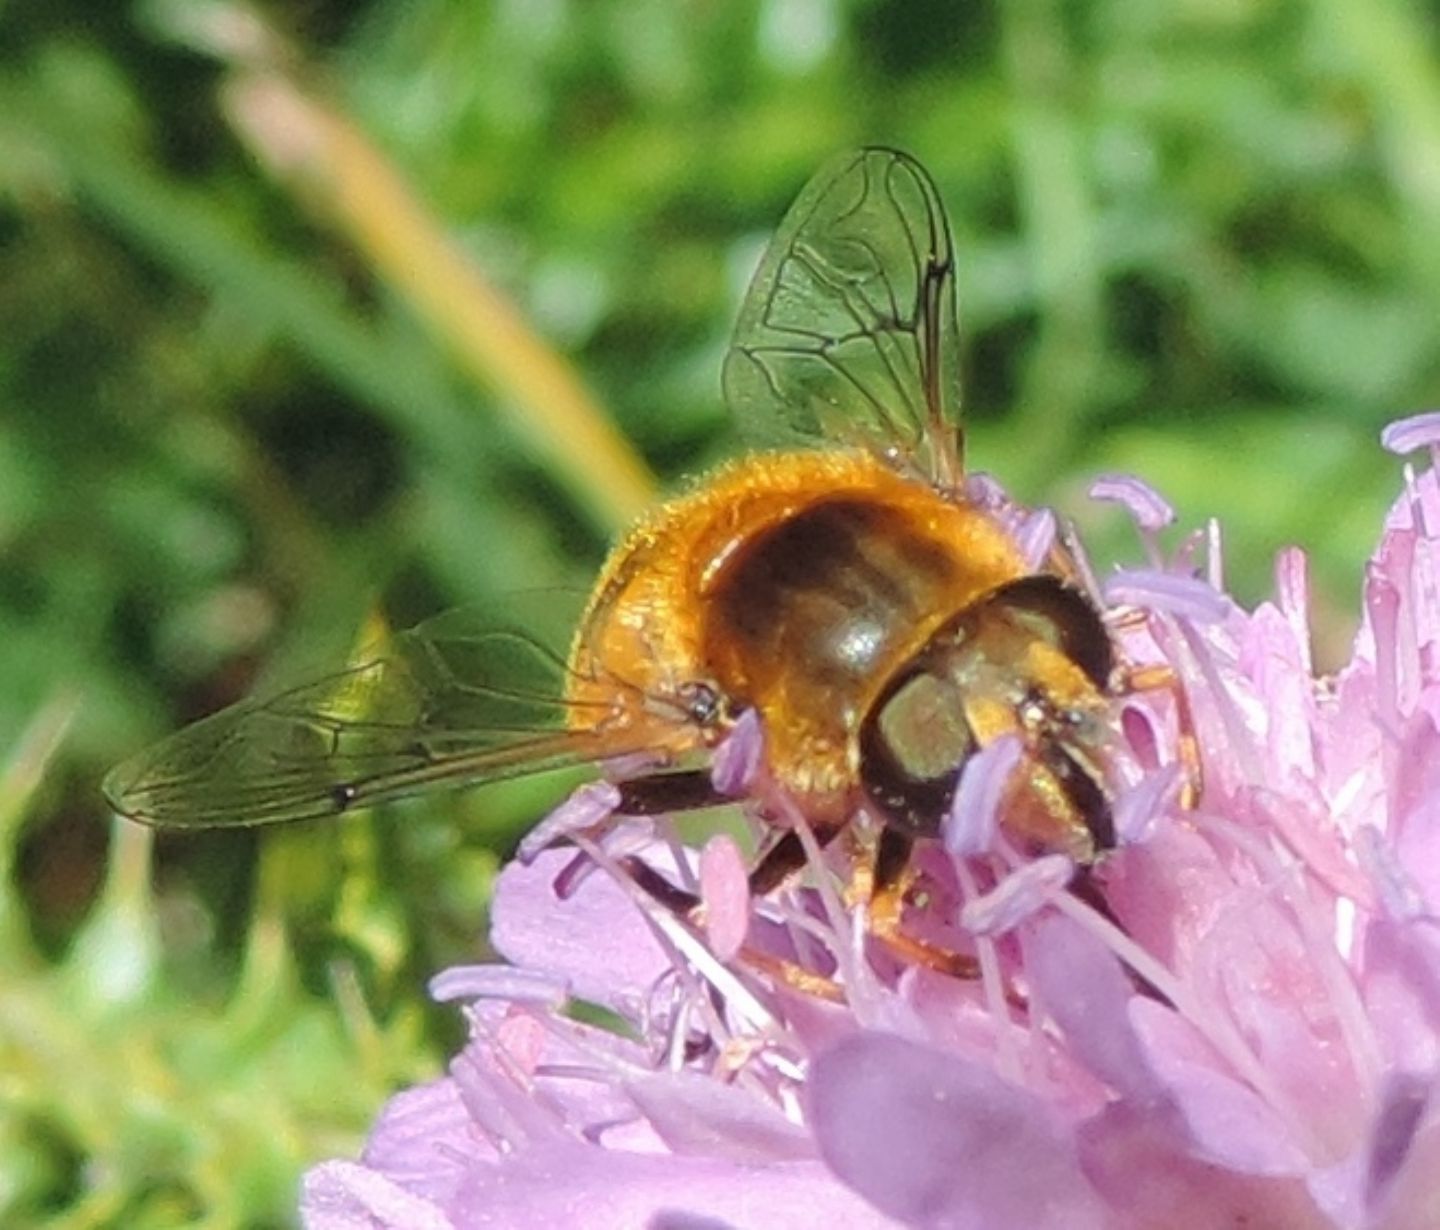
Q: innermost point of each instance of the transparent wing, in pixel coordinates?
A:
(849, 331)
(461, 699)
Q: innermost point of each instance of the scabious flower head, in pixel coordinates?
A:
(1233, 1020)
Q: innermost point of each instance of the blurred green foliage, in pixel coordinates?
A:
(1199, 241)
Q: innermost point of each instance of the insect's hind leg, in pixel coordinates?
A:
(776, 863)
(692, 790)
(784, 856)
(676, 790)
(883, 882)
(656, 794)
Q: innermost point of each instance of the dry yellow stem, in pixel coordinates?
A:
(311, 143)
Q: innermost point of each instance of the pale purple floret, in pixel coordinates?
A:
(737, 760)
(1233, 1021)
(1417, 432)
(588, 807)
(725, 895)
(974, 815)
(1162, 591)
(1017, 897)
(1035, 537)
(1151, 510)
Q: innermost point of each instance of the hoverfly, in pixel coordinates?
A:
(837, 582)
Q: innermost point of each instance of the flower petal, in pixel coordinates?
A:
(937, 1141)
(591, 804)
(1140, 1163)
(1229, 1124)
(1083, 987)
(424, 1140)
(596, 938)
(347, 1196)
(578, 1185)
(696, 1115)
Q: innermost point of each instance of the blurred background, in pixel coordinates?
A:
(323, 311)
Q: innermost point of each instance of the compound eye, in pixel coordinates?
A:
(1063, 617)
(912, 748)
(702, 703)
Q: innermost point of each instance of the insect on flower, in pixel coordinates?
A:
(839, 583)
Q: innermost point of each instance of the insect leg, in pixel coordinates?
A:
(657, 794)
(785, 856)
(692, 790)
(680, 790)
(675, 899)
(883, 882)
(781, 859)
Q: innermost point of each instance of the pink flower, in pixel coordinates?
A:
(1248, 1032)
